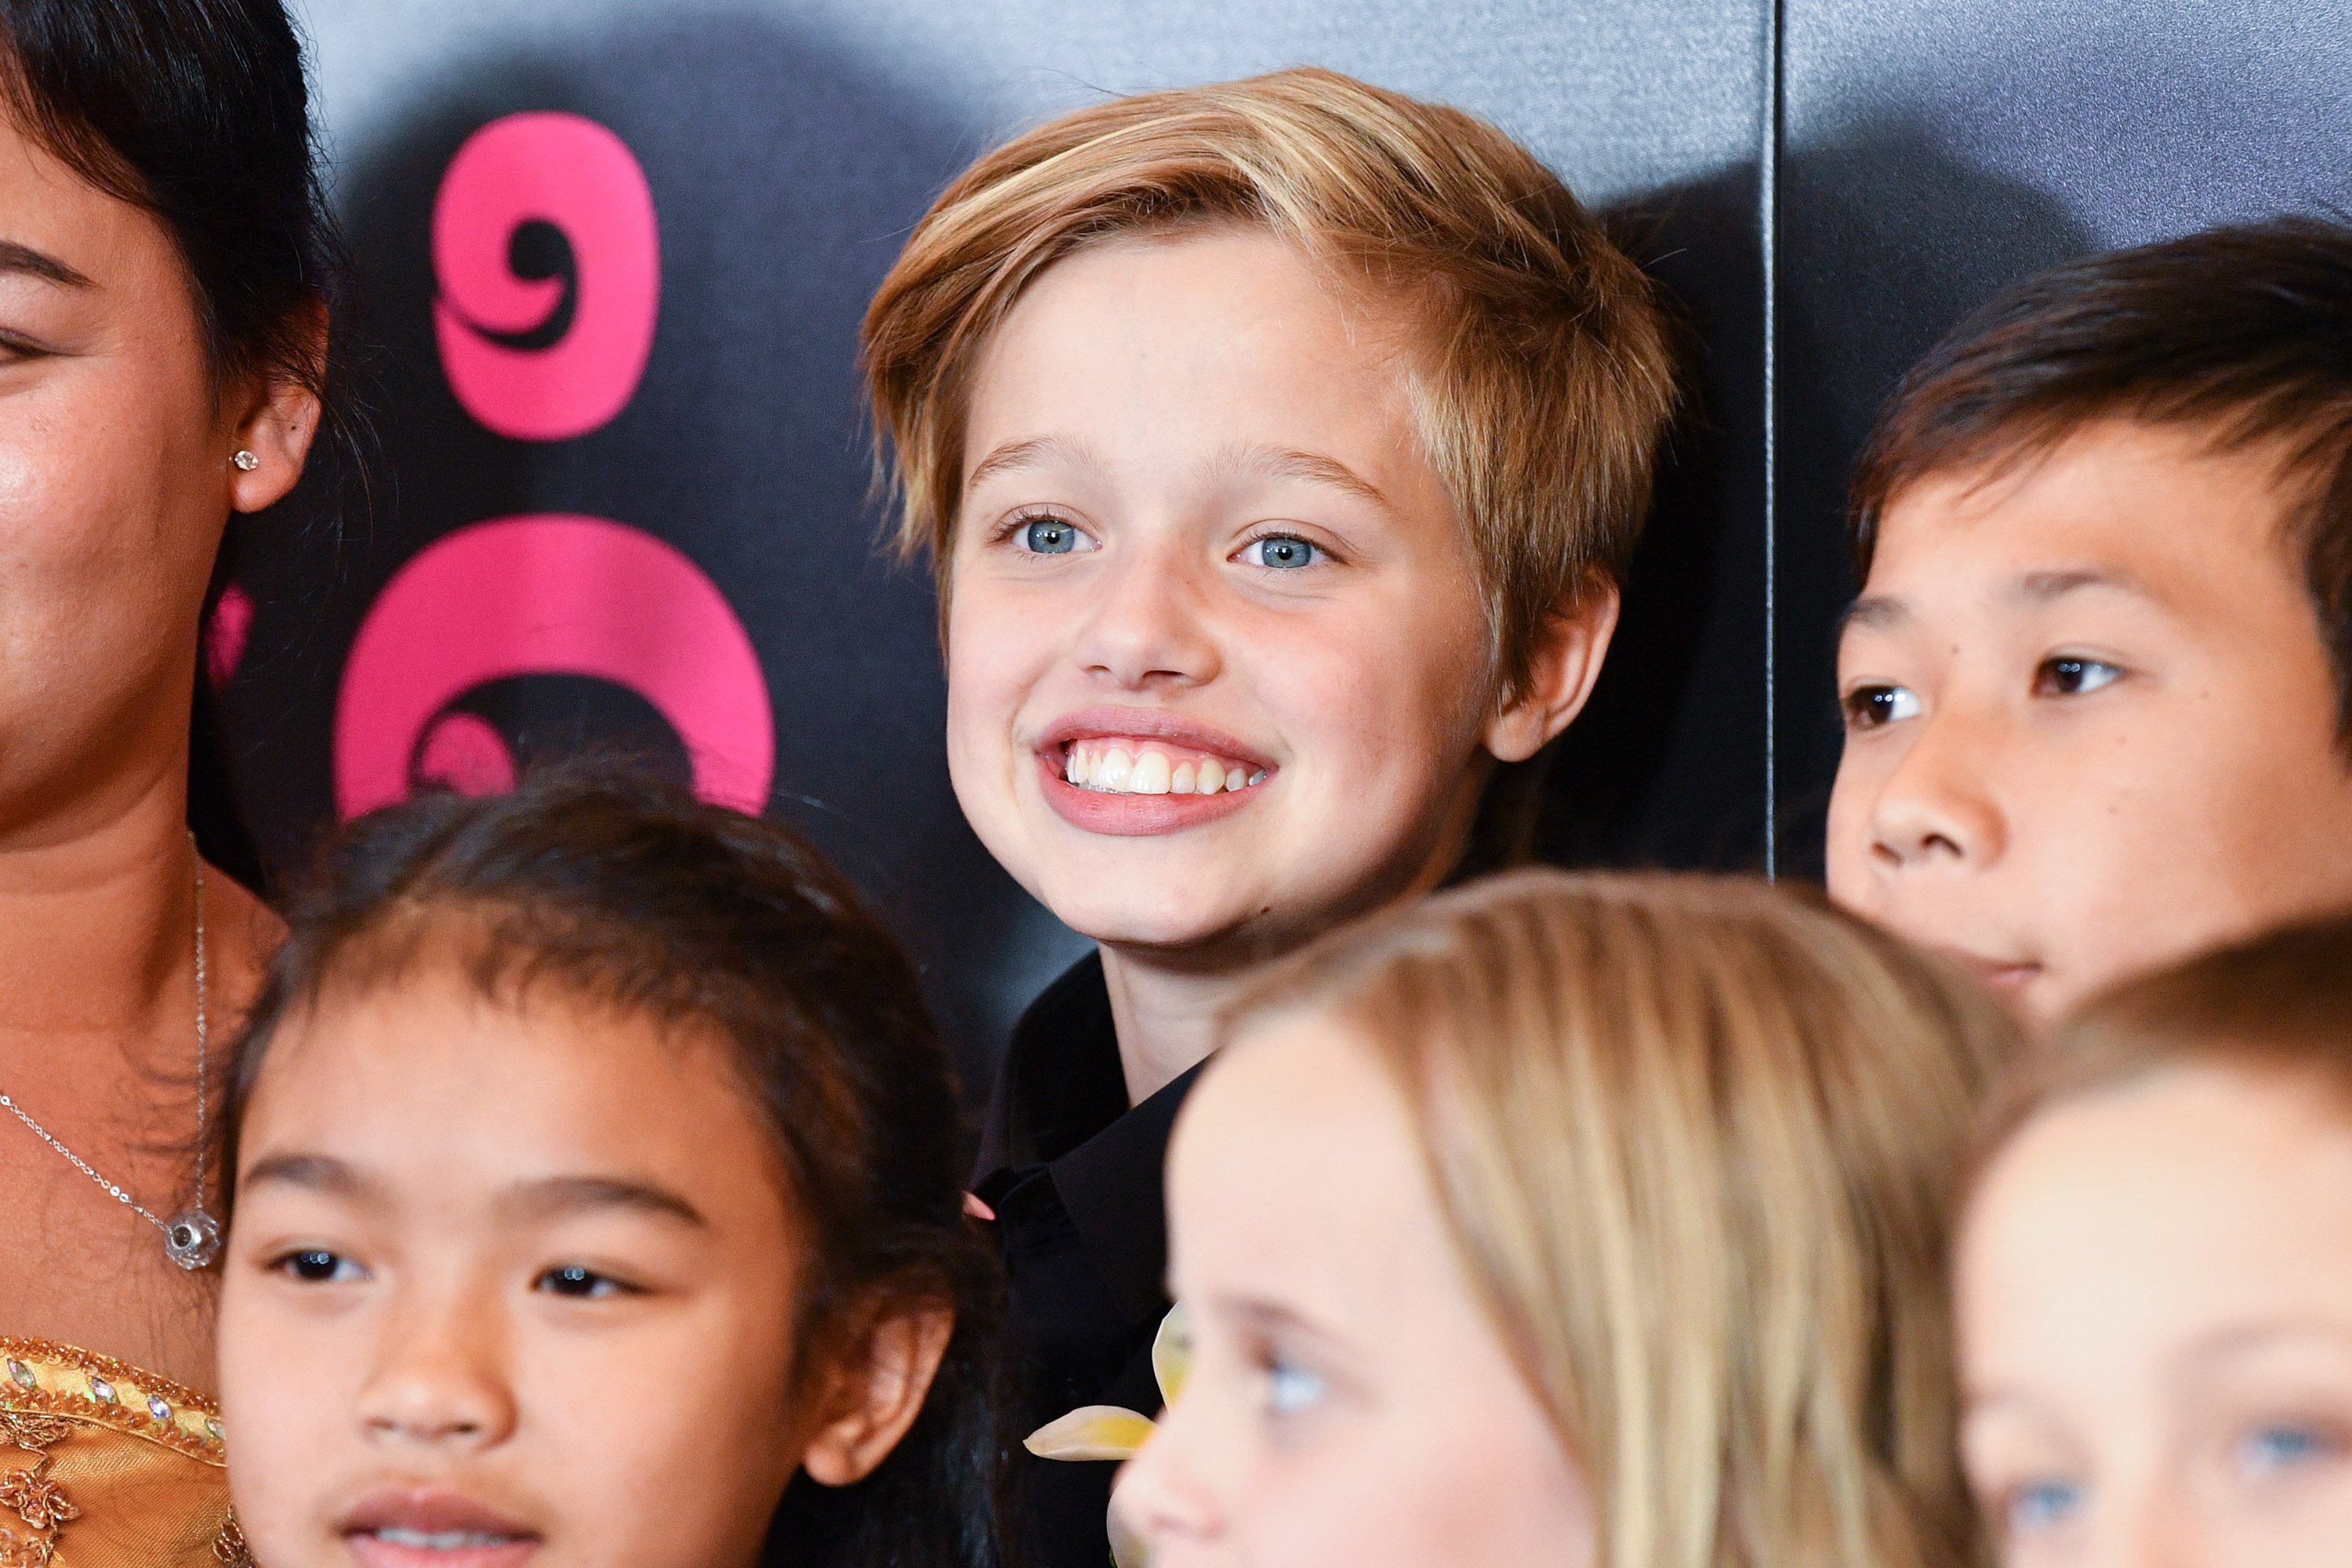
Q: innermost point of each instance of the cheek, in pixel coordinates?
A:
(286, 1395)
(1363, 697)
(1846, 844)
(711, 1435)
(1410, 1499)
(996, 651)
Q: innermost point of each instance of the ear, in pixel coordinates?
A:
(277, 424)
(1561, 668)
(877, 1394)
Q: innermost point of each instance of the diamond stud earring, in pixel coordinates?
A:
(246, 461)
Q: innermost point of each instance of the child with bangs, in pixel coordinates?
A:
(2098, 684)
(1280, 448)
(596, 1203)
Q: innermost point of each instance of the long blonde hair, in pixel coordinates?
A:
(1696, 1141)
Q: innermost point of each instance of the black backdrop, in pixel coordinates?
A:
(1916, 153)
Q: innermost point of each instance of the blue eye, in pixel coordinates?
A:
(2043, 1505)
(1052, 536)
(1280, 551)
(1870, 706)
(2074, 677)
(317, 1265)
(1291, 1389)
(2266, 1450)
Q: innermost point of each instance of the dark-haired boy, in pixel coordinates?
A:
(2098, 684)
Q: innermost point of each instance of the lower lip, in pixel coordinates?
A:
(371, 1551)
(2004, 976)
(1134, 816)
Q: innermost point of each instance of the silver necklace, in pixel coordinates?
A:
(192, 1237)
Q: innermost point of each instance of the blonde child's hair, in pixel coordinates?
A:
(1695, 1140)
(1543, 378)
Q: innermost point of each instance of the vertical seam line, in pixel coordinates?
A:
(1769, 236)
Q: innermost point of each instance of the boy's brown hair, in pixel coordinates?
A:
(2243, 333)
(1546, 376)
(2278, 1005)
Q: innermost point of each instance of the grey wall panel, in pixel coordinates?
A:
(1935, 152)
(789, 145)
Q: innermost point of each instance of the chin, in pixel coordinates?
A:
(1144, 922)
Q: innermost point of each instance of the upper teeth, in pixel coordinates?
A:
(439, 1540)
(1130, 767)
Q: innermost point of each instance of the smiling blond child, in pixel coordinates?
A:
(1279, 447)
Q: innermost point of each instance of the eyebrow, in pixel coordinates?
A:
(1291, 463)
(1884, 612)
(312, 1174)
(550, 1197)
(1261, 1315)
(561, 1197)
(17, 258)
(1011, 456)
(2044, 587)
(1879, 612)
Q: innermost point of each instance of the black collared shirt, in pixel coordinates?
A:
(1074, 1175)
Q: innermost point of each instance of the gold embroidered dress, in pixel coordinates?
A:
(103, 1466)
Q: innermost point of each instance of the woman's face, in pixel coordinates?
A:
(506, 1286)
(1347, 1401)
(2155, 1321)
(116, 480)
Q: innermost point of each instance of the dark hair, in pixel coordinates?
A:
(198, 110)
(2277, 1004)
(2245, 330)
(629, 893)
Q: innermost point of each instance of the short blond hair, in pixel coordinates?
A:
(1695, 1140)
(1544, 379)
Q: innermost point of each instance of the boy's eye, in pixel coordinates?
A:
(2072, 676)
(1282, 552)
(317, 1265)
(1872, 707)
(2043, 1504)
(582, 1284)
(1051, 536)
(2281, 1445)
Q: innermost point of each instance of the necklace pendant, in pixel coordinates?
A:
(192, 1239)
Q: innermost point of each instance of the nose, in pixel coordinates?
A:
(2151, 1529)
(440, 1380)
(1936, 809)
(1149, 625)
(1164, 1498)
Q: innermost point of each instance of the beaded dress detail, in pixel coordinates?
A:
(103, 1466)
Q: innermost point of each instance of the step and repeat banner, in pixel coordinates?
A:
(613, 254)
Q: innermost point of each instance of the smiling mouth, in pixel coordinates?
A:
(1135, 766)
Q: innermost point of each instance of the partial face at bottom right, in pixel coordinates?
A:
(2154, 1304)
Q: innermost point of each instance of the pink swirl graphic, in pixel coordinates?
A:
(572, 172)
(546, 594)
